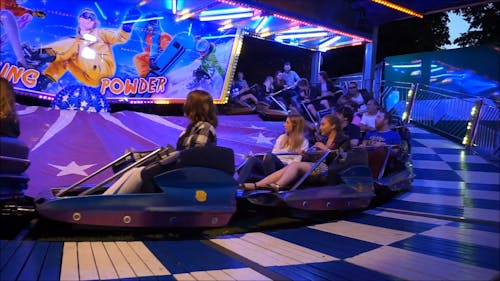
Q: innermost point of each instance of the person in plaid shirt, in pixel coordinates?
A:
(200, 110)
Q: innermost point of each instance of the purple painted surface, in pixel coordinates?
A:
(66, 146)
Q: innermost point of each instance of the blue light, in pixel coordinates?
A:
(100, 11)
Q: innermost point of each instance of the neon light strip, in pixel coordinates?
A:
(398, 8)
(303, 30)
(225, 11)
(262, 23)
(302, 35)
(174, 7)
(329, 42)
(407, 65)
(187, 13)
(343, 44)
(325, 28)
(296, 21)
(100, 11)
(142, 20)
(229, 16)
(218, 36)
(437, 69)
(142, 3)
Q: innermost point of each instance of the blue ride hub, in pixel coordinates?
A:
(81, 98)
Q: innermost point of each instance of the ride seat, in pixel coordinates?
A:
(13, 164)
(377, 161)
(215, 157)
(13, 147)
(383, 162)
(353, 165)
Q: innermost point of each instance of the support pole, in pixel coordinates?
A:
(315, 67)
(369, 62)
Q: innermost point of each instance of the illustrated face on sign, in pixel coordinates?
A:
(87, 20)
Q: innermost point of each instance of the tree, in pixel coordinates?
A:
(413, 35)
(483, 27)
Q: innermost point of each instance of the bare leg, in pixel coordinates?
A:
(249, 97)
(130, 182)
(293, 171)
(272, 178)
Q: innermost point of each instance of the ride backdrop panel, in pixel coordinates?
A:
(462, 73)
(111, 51)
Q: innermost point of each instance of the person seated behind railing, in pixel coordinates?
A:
(328, 90)
(200, 110)
(279, 83)
(240, 93)
(367, 122)
(331, 129)
(345, 102)
(345, 114)
(355, 95)
(383, 136)
(265, 89)
(9, 121)
(292, 141)
(304, 97)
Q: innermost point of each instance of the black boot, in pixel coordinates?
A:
(43, 82)
(38, 57)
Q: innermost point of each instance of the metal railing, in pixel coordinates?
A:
(448, 113)
(488, 136)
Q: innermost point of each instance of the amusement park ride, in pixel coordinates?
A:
(201, 191)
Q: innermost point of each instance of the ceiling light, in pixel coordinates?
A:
(302, 35)
(398, 8)
(226, 16)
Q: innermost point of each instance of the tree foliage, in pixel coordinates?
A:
(413, 35)
(484, 24)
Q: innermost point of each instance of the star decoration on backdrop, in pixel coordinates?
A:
(257, 128)
(72, 169)
(240, 155)
(263, 139)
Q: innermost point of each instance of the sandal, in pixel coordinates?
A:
(248, 186)
(276, 187)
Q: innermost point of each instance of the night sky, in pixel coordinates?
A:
(259, 58)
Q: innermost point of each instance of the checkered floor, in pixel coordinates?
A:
(445, 228)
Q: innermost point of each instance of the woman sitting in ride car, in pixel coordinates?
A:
(200, 110)
(292, 141)
(330, 128)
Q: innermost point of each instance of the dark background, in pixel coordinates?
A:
(260, 58)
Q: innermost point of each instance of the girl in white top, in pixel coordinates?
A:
(368, 119)
(292, 140)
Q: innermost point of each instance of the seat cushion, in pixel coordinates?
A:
(13, 147)
(216, 157)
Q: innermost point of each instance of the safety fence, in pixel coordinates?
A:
(470, 120)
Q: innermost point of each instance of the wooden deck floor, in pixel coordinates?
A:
(445, 228)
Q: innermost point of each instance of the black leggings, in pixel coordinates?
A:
(152, 170)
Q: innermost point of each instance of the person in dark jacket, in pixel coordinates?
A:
(9, 122)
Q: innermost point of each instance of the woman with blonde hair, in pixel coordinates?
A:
(9, 122)
(292, 141)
